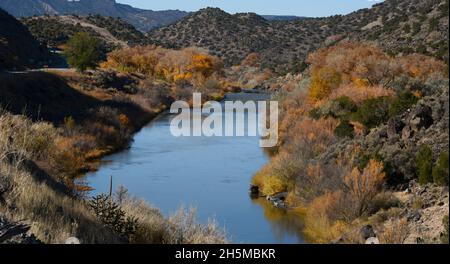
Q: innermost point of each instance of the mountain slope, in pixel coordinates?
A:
(398, 26)
(143, 20)
(18, 48)
(54, 31)
(281, 18)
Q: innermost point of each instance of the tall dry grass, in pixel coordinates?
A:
(54, 214)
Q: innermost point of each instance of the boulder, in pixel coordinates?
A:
(420, 117)
(254, 190)
(407, 133)
(414, 216)
(367, 232)
(278, 200)
(72, 241)
(16, 233)
(372, 241)
(394, 127)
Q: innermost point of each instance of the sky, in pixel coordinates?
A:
(309, 8)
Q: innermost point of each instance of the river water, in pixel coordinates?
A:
(211, 174)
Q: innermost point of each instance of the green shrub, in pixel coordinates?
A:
(401, 103)
(82, 51)
(424, 164)
(341, 108)
(440, 171)
(315, 113)
(373, 112)
(383, 201)
(346, 103)
(345, 130)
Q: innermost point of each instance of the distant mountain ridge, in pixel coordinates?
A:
(143, 20)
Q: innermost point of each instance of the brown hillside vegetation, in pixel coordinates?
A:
(189, 69)
(331, 160)
(76, 120)
(363, 121)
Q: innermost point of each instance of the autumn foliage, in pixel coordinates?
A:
(362, 187)
(350, 88)
(355, 69)
(169, 65)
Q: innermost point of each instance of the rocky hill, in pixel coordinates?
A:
(144, 20)
(282, 18)
(399, 26)
(18, 48)
(54, 31)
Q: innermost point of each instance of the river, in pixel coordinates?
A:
(211, 174)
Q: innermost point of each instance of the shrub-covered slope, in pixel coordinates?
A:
(54, 31)
(398, 26)
(144, 20)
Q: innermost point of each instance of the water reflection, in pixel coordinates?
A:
(209, 173)
(284, 223)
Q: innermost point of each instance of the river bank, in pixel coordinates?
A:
(211, 174)
(354, 139)
(72, 121)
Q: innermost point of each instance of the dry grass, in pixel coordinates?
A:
(180, 228)
(53, 216)
(395, 232)
(46, 203)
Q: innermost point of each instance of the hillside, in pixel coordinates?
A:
(282, 18)
(54, 31)
(144, 20)
(397, 26)
(18, 48)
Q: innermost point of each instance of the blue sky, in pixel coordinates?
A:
(311, 8)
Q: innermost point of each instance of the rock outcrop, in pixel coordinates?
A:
(16, 233)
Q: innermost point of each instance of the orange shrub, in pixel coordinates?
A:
(320, 226)
(252, 60)
(422, 67)
(315, 135)
(361, 187)
(157, 62)
(68, 159)
(323, 82)
(124, 120)
(202, 64)
(361, 65)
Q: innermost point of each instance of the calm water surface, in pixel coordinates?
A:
(209, 173)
